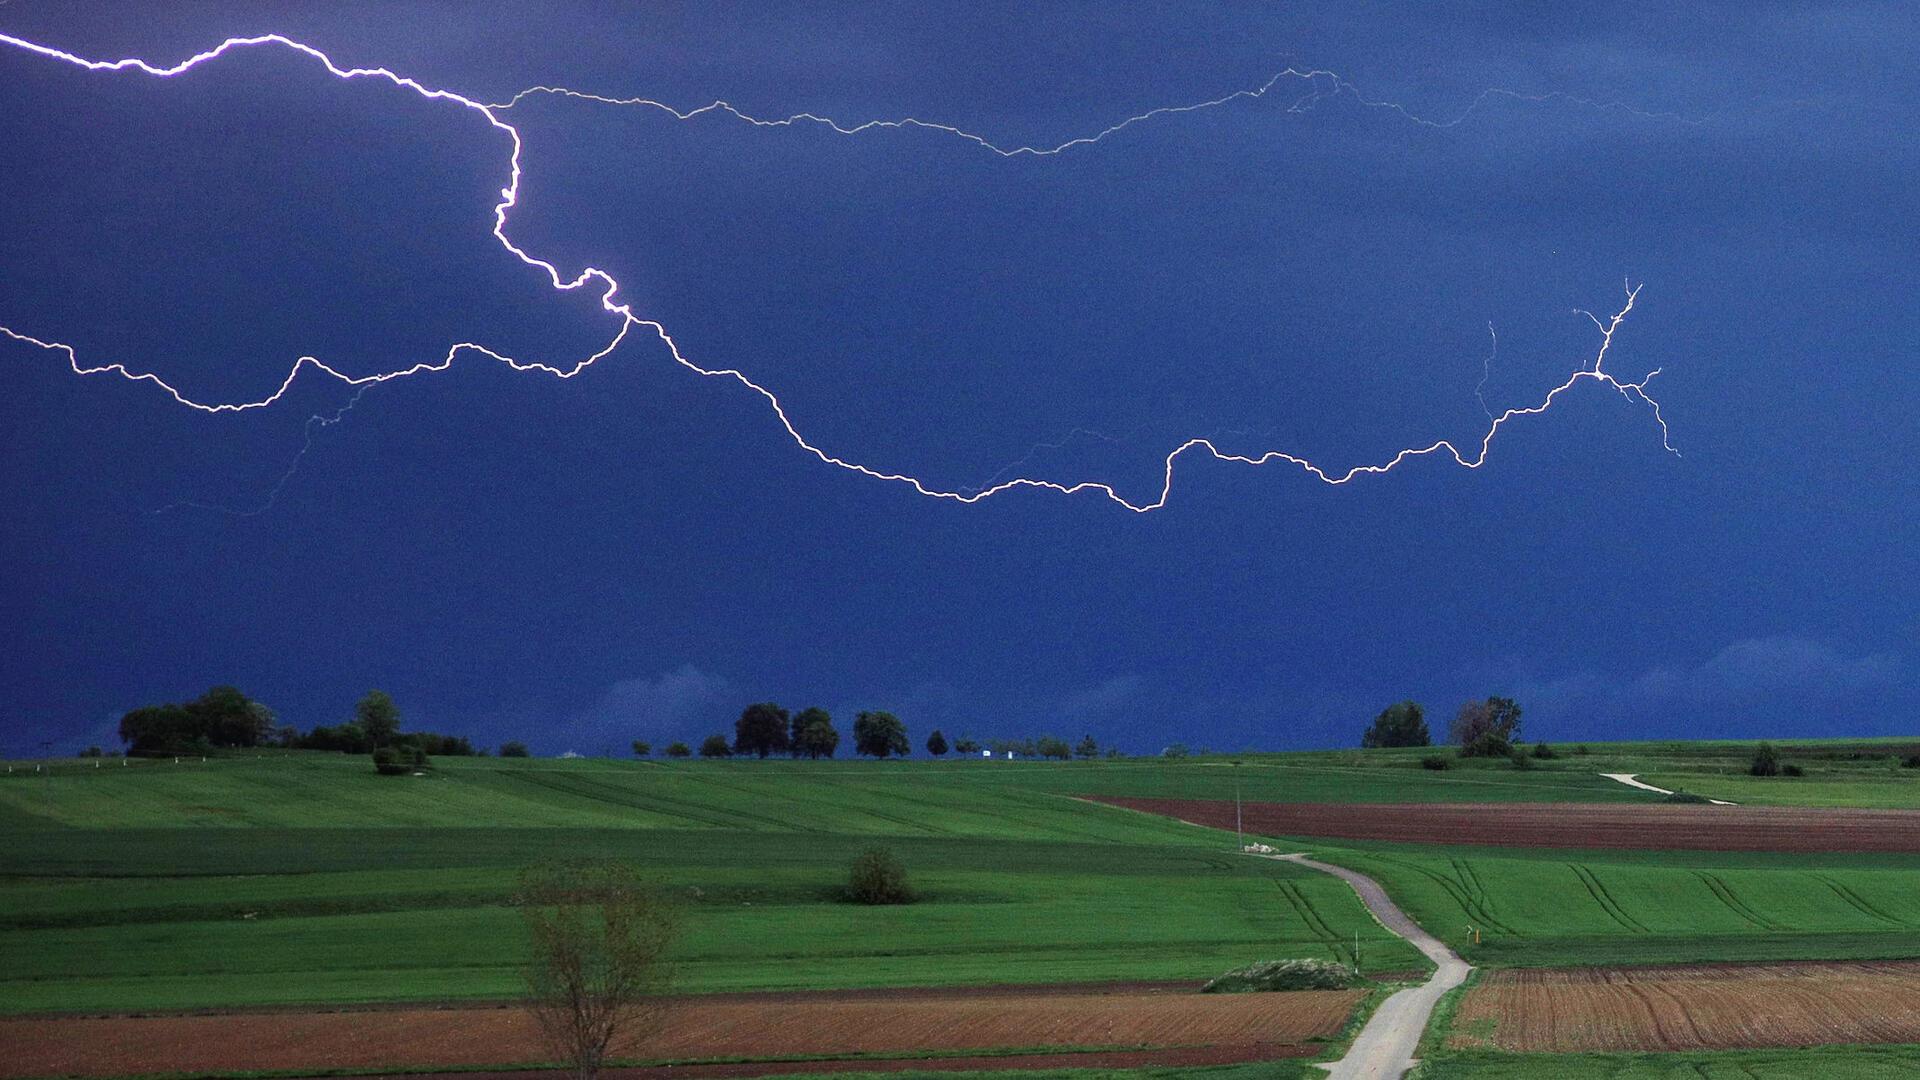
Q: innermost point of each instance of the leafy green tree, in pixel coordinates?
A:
(761, 729)
(678, 750)
(937, 743)
(1766, 761)
(879, 734)
(513, 749)
(1403, 724)
(642, 748)
(715, 746)
(813, 734)
(378, 717)
(1087, 749)
(1056, 749)
(819, 738)
(966, 744)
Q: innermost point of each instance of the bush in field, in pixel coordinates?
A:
(678, 749)
(878, 878)
(399, 760)
(1281, 975)
(1544, 752)
(1434, 762)
(1766, 761)
(1519, 759)
(1686, 797)
(1792, 770)
(513, 749)
(715, 746)
(642, 748)
(1911, 761)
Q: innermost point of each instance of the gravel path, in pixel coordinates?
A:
(1627, 778)
(1384, 1048)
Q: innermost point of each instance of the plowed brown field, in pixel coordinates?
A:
(1715, 1007)
(1563, 825)
(1255, 1025)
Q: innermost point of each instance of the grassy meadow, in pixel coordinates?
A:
(284, 878)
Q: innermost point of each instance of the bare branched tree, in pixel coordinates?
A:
(598, 967)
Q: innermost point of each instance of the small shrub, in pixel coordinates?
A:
(1911, 761)
(1177, 750)
(679, 749)
(878, 878)
(642, 748)
(1519, 759)
(1792, 770)
(1544, 752)
(513, 749)
(1684, 796)
(1766, 761)
(1281, 975)
(1434, 762)
(715, 746)
(1581, 750)
(398, 760)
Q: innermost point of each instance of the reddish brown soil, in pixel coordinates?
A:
(1663, 826)
(1710, 1007)
(1243, 1026)
(1230, 1054)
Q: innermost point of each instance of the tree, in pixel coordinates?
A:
(937, 743)
(378, 717)
(1487, 728)
(678, 750)
(817, 737)
(715, 746)
(1050, 747)
(1087, 749)
(1404, 724)
(878, 734)
(597, 963)
(513, 749)
(223, 717)
(878, 878)
(642, 748)
(1177, 750)
(966, 744)
(1766, 761)
(761, 729)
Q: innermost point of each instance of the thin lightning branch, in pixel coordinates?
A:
(1321, 85)
(315, 424)
(1486, 372)
(609, 288)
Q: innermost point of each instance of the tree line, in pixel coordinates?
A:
(765, 729)
(1481, 728)
(223, 718)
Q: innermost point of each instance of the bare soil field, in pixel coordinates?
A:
(1563, 825)
(1241, 1026)
(1708, 1007)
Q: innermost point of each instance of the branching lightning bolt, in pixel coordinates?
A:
(1320, 85)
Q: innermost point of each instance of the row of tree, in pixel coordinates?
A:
(223, 718)
(765, 729)
(1488, 728)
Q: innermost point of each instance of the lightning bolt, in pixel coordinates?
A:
(1320, 86)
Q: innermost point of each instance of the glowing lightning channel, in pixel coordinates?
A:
(509, 198)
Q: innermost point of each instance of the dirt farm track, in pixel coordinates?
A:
(1668, 826)
(1710, 1007)
(1154, 1027)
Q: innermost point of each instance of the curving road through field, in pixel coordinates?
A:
(1384, 1048)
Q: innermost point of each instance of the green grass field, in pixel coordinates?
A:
(310, 879)
(305, 878)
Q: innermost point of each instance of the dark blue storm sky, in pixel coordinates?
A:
(638, 552)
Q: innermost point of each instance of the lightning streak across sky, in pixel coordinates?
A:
(1320, 85)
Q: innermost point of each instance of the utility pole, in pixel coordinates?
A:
(1238, 832)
